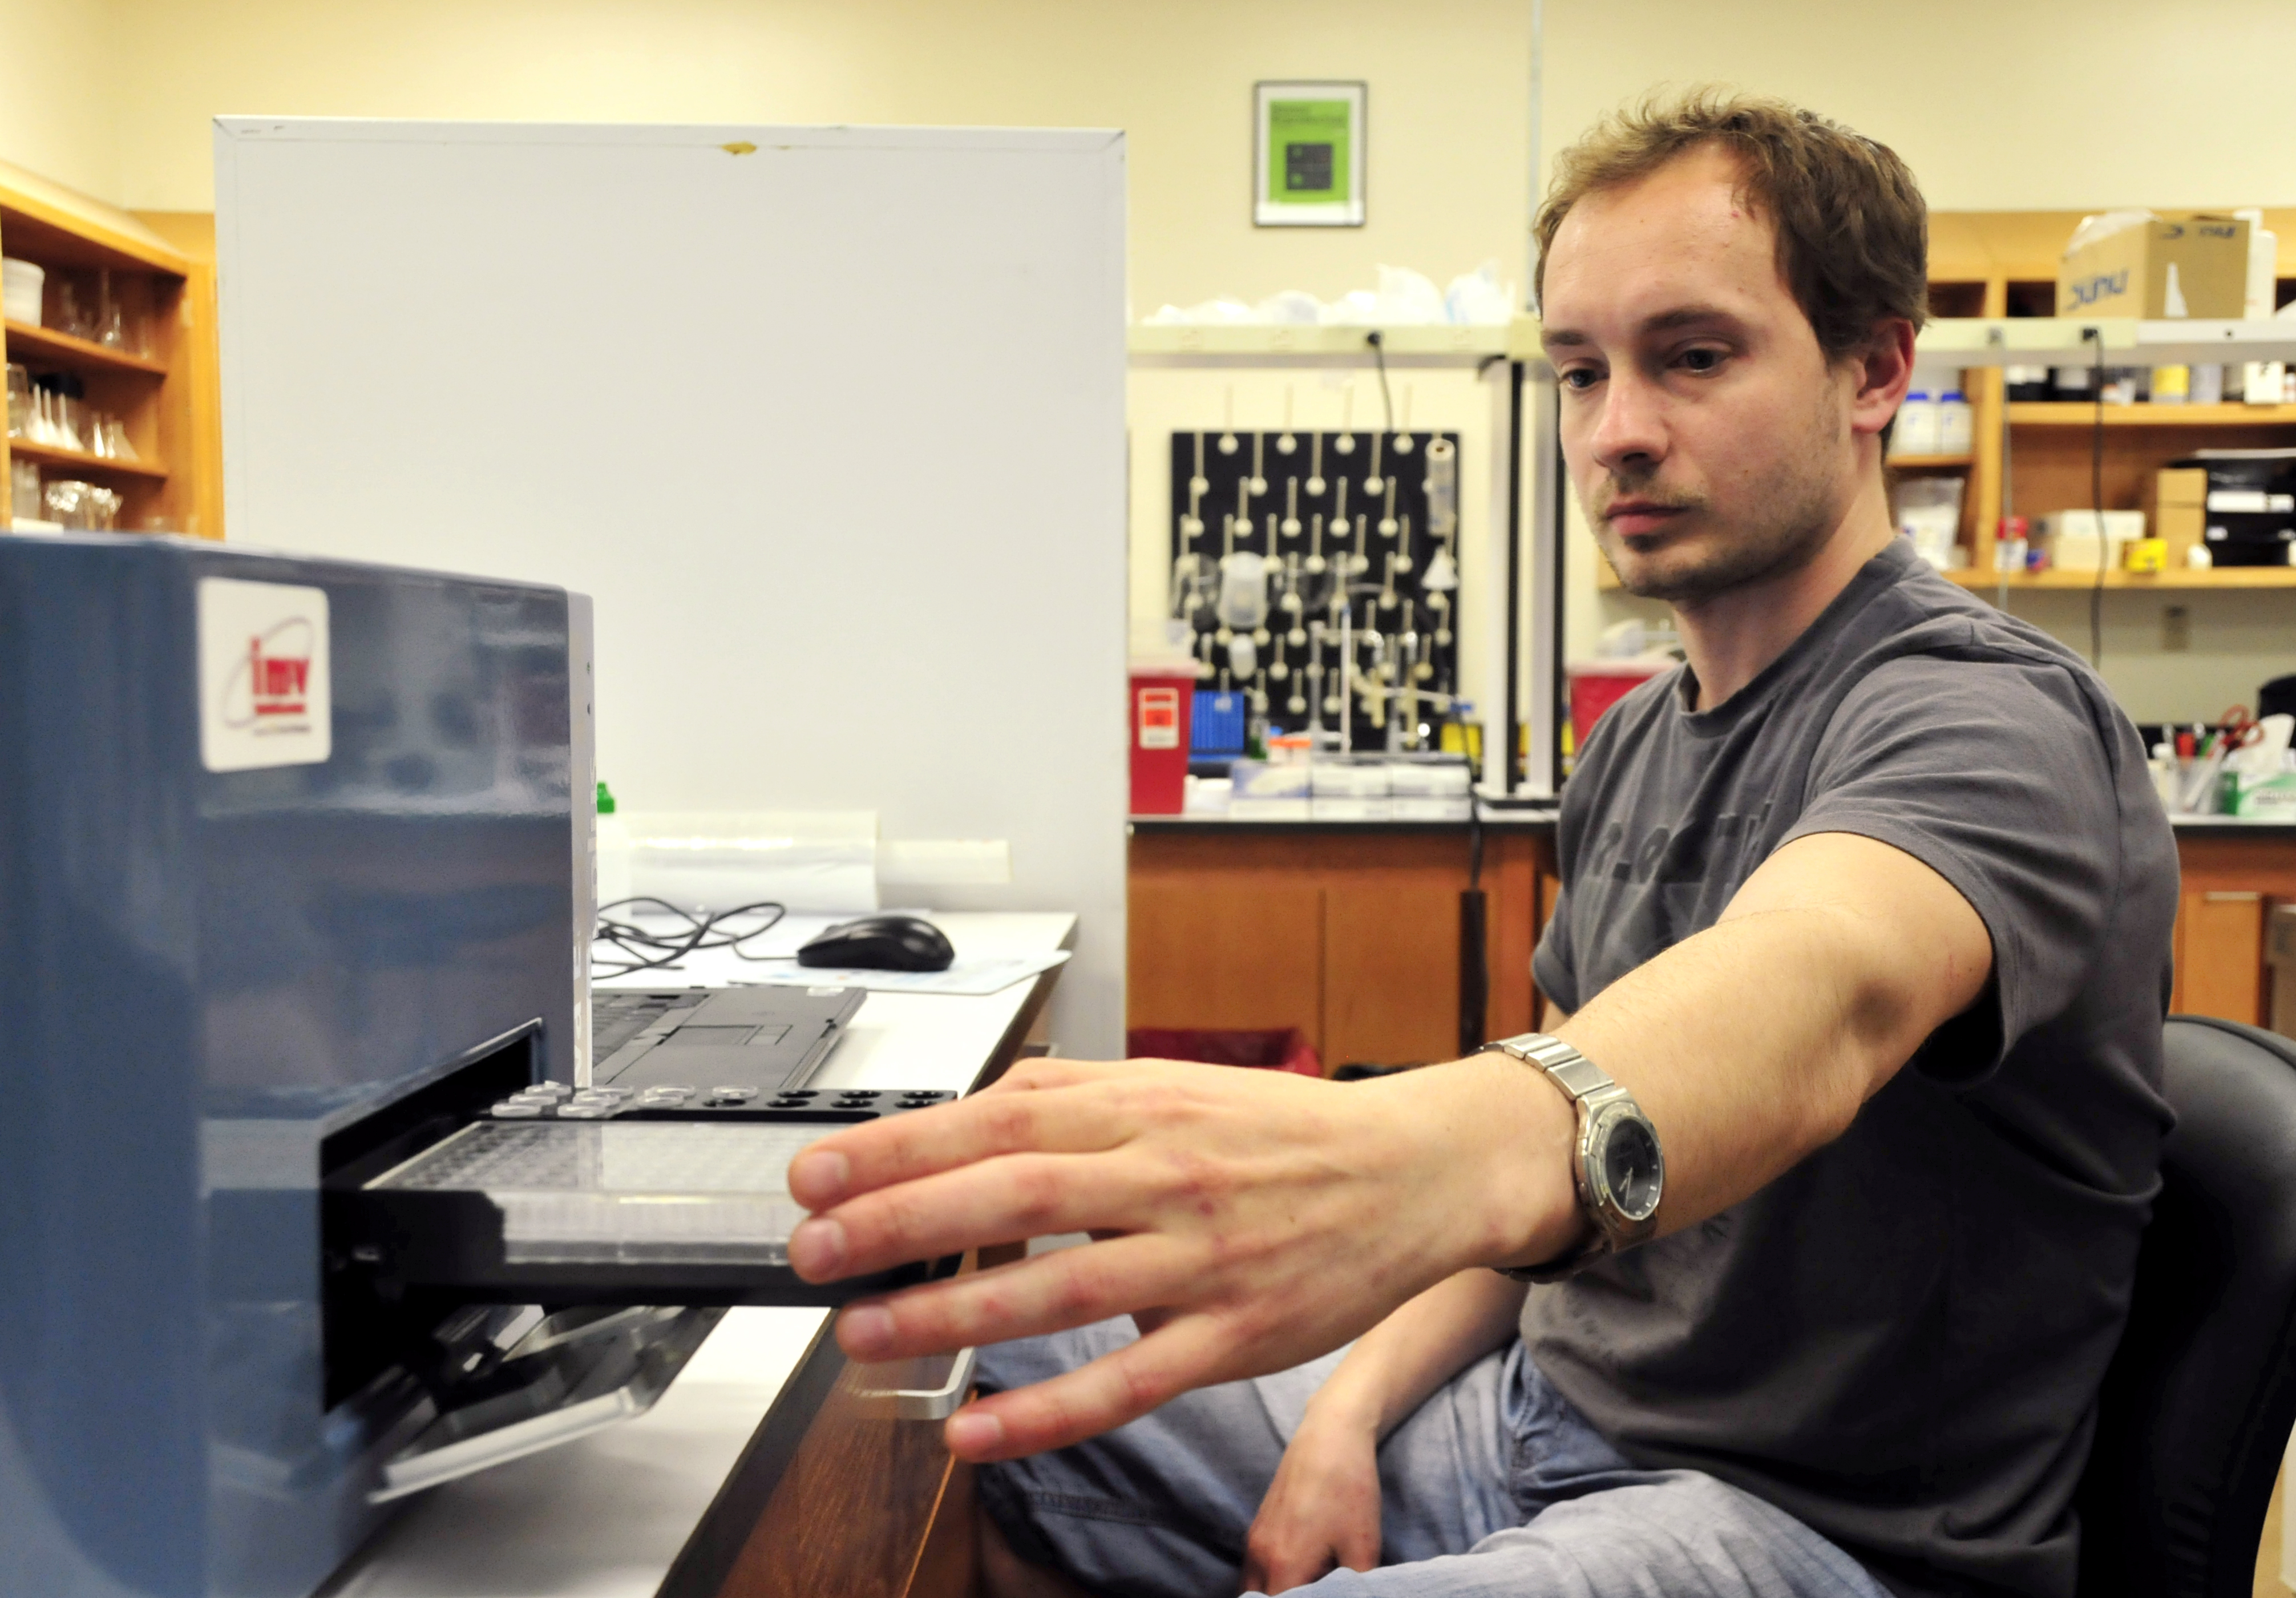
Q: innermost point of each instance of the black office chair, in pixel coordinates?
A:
(2198, 1405)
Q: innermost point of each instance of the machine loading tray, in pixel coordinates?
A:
(680, 1196)
(656, 1190)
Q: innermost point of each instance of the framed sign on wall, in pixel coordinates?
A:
(1308, 167)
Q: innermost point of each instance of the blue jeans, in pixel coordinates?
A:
(1494, 1486)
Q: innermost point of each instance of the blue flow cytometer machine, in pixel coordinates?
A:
(283, 844)
(311, 1197)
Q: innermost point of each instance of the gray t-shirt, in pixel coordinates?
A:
(1898, 1341)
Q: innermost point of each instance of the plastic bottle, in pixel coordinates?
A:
(613, 851)
(2012, 547)
(2026, 383)
(2163, 767)
(2263, 262)
(1916, 432)
(1956, 424)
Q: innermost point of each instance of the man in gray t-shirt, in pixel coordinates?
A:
(1900, 1341)
(1833, 1156)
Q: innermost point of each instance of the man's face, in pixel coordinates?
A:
(1708, 436)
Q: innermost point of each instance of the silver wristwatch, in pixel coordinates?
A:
(1618, 1168)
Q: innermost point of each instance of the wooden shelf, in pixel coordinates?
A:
(2082, 413)
(2216, 577)
(2121, 341)
(82, 461)
(1916, 463)
(44, 345)
(1436, 344)
(167, 396)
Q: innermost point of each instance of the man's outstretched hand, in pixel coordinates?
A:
(1246, 1220)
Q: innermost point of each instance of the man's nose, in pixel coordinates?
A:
(1629, 434)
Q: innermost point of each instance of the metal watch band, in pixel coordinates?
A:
(1584, 1083)
(1572, 1071)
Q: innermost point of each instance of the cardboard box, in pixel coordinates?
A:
(2270, 799)
(2070, 536)
(2179, 510)
(2126, 273)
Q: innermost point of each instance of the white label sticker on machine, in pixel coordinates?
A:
(265, 693)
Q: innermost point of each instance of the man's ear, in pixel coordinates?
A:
(1881, 371)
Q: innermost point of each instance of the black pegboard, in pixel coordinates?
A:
(1287, 484)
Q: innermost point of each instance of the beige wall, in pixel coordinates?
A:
(1996, 104)
(2031, 104)
(58, 104)
(1448, 114)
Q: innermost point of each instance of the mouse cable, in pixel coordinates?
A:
(647, 950)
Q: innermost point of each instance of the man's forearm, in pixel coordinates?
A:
(1756, 1042)
(1394, 1367)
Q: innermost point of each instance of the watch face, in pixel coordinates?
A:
(1632, 1168)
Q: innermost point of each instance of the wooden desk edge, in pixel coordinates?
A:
(707, 1561)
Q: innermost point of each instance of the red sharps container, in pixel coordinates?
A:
(1163, 692)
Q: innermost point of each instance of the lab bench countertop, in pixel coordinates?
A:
(1511, 817)
(2243, 827)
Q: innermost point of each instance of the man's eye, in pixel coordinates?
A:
(1700, 360)
(1579, 377)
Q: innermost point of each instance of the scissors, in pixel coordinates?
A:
(2237, 728)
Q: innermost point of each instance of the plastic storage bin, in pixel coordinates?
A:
(1220, 722)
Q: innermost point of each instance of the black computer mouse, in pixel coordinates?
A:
(880, 943)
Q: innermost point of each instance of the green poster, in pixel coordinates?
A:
(1308, 159)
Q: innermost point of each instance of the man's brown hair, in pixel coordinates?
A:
(1853, 229)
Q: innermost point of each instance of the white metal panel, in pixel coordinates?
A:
(831, 427)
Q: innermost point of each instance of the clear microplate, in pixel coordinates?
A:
(637, 1191)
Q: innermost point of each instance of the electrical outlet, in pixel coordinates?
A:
(2175, 629)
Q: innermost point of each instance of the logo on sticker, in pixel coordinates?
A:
(274, 693)
(265, 696)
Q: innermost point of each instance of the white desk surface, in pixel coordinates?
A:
(604, 1516)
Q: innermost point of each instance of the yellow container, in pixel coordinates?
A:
(2148, 554)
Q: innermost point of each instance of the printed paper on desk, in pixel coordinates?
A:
(974, 979)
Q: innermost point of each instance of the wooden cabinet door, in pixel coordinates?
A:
(2220, 954)
(1214, 949)
(1392, 969)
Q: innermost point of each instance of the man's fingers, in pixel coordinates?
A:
(1008, 1200)
(1051, 1292)
(1116, 1387)
(1064, 1116)
(1048, 1073)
